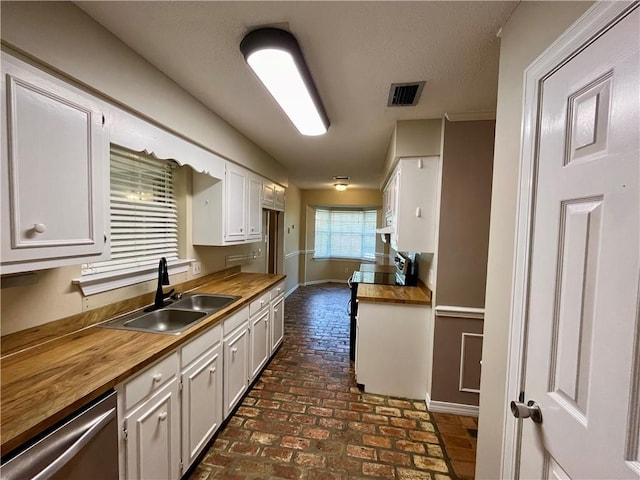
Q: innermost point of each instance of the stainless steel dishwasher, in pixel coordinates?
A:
(83, 447)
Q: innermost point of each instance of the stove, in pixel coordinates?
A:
(403, 272)
(380, 278)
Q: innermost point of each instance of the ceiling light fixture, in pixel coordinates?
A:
(275, 57)
(341, 187)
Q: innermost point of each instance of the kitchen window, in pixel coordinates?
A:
(144, 223)
(345, 233)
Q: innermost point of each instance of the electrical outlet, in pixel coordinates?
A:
(196, 267)
(346, 269)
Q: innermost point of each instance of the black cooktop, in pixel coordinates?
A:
(380, 278)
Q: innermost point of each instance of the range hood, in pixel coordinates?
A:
(388, 230)
(385, 233)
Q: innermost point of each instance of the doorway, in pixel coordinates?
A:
(272, 240)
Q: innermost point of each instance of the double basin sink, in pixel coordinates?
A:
(174, 318)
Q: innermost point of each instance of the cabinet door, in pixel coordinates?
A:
(254, 209)
(153, 441)
(260, 344)
(55, 155)
(279, 200)
(201, 404)
(236, 368)
(416, 198)
(268, 194)
(235, 208)
(277, 323)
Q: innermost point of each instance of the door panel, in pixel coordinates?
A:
(583, 292)
(236, 368)
(201, 405)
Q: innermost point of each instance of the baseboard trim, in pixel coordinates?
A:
(316, 282)
(293, 289)
(437, 406)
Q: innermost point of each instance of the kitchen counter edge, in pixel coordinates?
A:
(374, 293)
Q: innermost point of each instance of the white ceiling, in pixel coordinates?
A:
(354, 51)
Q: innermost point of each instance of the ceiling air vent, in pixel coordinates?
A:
(404, 94)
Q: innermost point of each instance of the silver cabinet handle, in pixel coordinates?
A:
(162, 417)
(74, 449)
(39, 227)
(157, 377)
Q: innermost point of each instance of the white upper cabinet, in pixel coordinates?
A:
(278, 203)
(272, 196)
(410, 207)
(254, 208)
(236, 203)
(55, 172)
(227, 211)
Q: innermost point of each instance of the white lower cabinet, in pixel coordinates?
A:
(259, 319)
(168, 412)
(201, 392)
(392, 357)
(260, 341)
(151, 426)
(153, 446)
(277, 321)
(236, 359)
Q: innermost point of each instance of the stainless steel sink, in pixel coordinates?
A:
(174, 319)
(167, 320)
(207, 302)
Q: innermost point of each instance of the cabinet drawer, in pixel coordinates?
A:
(201, 344)
(150, 380)
(235, 320)
(259, 303)
(277, 291)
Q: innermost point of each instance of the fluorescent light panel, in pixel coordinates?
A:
(275, 57)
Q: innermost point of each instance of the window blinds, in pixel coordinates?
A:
(345, 234)
(144, 224)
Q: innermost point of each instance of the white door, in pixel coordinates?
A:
(583, 298)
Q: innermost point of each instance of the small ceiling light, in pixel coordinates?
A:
(275, 57)
(341, 187)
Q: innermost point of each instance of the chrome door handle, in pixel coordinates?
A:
(530, 410)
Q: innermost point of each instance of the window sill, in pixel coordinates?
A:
(343, 259)
(103, 282)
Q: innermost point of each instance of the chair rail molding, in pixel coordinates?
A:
(459, 312)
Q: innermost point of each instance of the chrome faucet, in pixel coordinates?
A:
(163, 279)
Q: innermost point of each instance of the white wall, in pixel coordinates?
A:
(532, 27)
(292, 242)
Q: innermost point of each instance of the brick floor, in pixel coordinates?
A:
(304, 418)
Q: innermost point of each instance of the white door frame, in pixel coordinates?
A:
(582, 32)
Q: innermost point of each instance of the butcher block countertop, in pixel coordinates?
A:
(420, 295)
(44, 380)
